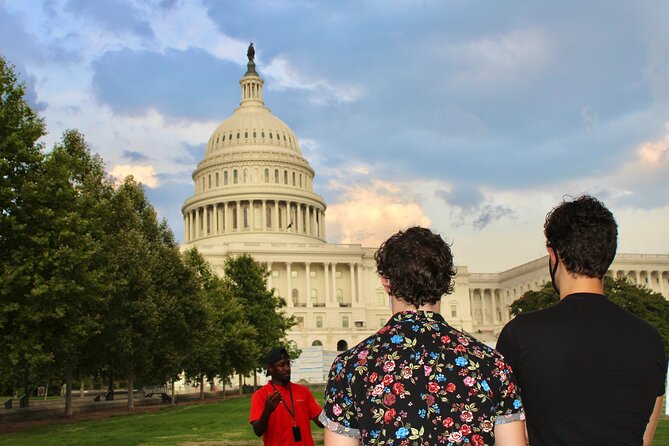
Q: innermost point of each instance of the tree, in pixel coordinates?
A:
(247, 281)
(225, 340)
(21, 158)
(647, 304)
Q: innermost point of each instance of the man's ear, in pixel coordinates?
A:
(386, 284)
(553, 255)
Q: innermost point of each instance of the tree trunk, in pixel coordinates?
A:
(202, 387)
(255, 380)
(81, 389)
(223, 389)
(240, 384)
(26, 385)
(46, 391)
(68, 393)
(131, 394)
(174, 399)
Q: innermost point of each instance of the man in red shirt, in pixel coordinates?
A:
(281, 410)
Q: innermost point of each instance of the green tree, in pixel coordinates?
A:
(21, 158)
(226, 339)
(247, 280)
(645, 303)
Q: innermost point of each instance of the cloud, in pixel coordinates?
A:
(190, 84)
(369, 213)
(134, 156)
(118, 16)
(285, 76)
(469, 206)
(143, 174)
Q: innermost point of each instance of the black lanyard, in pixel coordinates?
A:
(292, 403)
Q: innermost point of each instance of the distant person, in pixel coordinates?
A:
(281, 410)
(419, 381)
(591, 373)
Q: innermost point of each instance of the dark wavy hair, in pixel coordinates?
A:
(584, 234)
(418, 265)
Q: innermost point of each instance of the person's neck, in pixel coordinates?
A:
(398, 306)
(276, 382)
(580, 284)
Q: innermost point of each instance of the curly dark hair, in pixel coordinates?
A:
(584, 235)
(418, 265)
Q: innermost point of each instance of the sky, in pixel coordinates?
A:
(474, 118)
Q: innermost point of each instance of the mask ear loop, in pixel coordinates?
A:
(552, 269)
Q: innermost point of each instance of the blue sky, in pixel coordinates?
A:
(472, 117)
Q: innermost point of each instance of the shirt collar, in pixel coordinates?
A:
(583, 297)
(417, 316)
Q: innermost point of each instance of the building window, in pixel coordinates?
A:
(293, 274)
(234, 176)
(275, 273)
(234, 218)
(268, 217)
(340, 297)
(216, 179)
(344, 321)
(342, 346)
(254, 134)
(312, 274)
(285, 177)
(454, 310)
(300, 322)
(246, 175)
(382, 322)
(276, 176)
(296, 297)
(225, 178)
(317, 343)
(338, 274)
(246, 135)
(359, 324)
(319, 321)
(246, 217)
(266, 175)
(237, 135)
(209, 182)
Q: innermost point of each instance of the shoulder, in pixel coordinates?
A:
(261, 392)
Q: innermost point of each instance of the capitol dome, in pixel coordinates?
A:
(253, 182)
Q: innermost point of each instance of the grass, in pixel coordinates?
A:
(213, 424)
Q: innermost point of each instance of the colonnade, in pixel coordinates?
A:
(316, 284)
(254, 215)
(488, 306)
(656, 280)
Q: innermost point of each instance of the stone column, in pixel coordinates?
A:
(308, 281)
(323, 224)
(298, 220)
(326, 280)
(263, 217)
(186, 238)
(239, 215)
(361, 272)
(661, 273)
(269, 276)
(226, 218)
(275, 223)
(334, 283)
(352, 272)
(289, 284)
(215, 231)
(198, 224)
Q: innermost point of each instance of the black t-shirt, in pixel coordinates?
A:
(589, 371)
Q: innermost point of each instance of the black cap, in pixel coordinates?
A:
(275, 355)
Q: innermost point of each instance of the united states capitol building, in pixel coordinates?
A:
(254, 194)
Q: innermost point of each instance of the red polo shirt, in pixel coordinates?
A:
(280, 426)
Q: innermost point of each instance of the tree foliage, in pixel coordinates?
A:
(247, 281)
(645, 303)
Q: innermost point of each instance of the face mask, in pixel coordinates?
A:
(552, 270)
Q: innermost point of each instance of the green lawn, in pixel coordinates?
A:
(224, 423)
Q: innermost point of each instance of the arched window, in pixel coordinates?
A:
(235, 177)
(293, 178)
(317, 343)
(225, 178)
(276, 176)
(266, 175)
(285, 177)
(296, 297)
(216, 179)
(209, 181)
(342, 345)
(340, 297)
(246, 174)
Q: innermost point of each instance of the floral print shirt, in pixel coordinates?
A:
(419, 381)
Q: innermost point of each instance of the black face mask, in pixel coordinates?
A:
(552, 270)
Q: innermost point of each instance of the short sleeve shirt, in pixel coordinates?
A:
(419, 381)
(279, 428)
(590, 371)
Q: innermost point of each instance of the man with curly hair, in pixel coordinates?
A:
(591, 373)
(419, 381)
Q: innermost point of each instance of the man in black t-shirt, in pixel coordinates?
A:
(590, 372)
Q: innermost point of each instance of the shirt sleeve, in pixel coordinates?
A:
(257, 406)
(510, 406)
(339, 413)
